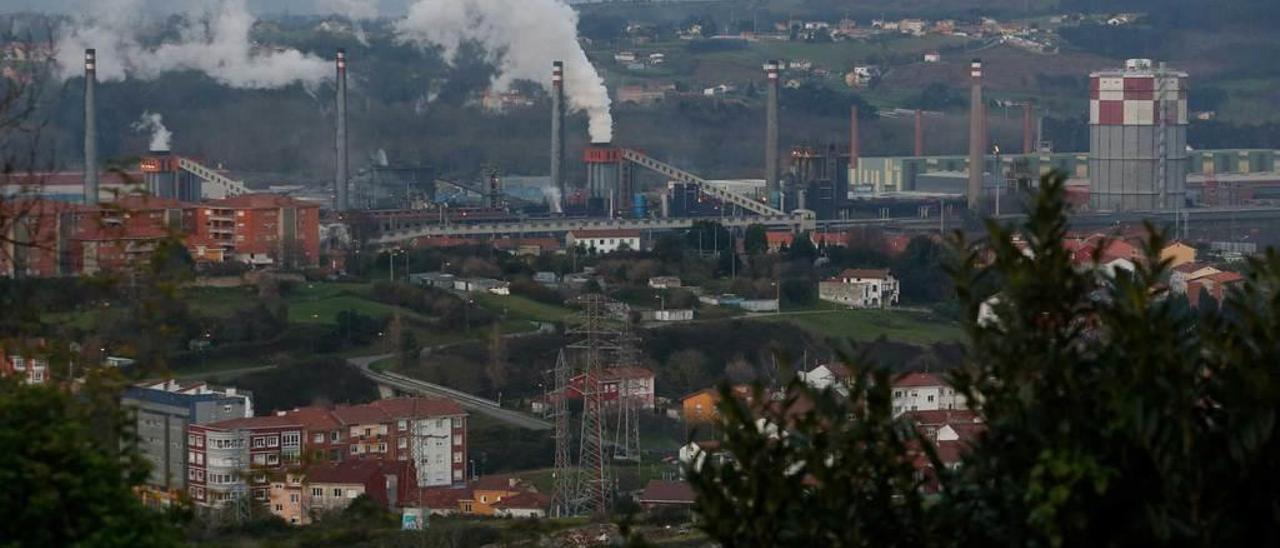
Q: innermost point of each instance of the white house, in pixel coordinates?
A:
(825, 376)
(925, 392)
(604, 241)
(664, 282)
(861, 288)
(933, 57)
(695, 453)
(673, 315)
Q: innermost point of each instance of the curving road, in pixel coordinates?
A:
(472, 403)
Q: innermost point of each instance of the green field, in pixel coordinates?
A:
(522, 308)
(868, 325)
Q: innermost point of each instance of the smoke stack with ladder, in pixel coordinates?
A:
(853, 137)
(772, 184)
(919, 148)
(340, 181)
(977, 137)
(1028, 131)
(557, 133)
(90, 128)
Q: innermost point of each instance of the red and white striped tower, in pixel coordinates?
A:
(977, 137)
(1137, 137)
(557, 132)
(772, 184)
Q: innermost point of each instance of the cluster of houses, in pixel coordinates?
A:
(923, 399)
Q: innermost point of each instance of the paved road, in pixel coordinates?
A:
(469, 402)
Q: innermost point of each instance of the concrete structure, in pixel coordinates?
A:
(977, 137)
(341, 178)
(925, 392)
(771, 174)
(163, 177)
(162, 411)
(1138, 138)
(861, 288)
(604, 241)
(91, 195)
(557, 134)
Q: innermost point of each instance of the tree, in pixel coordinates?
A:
(921, 273)
(68, 479)
(1113, 417)
(756, 240)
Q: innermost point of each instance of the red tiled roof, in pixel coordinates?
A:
(351, 471)
(496, 483)
(269, 421)
(667, 492)
(919, 379)
(443, 497)
(419, 407)
(968, 432)
(359, 414)
(529, 500)
(1188, 268)
(1224, 277)
(314, 418)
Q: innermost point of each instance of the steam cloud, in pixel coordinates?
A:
(354, 10)
(522, 38)
(160, 135)
(214, 41)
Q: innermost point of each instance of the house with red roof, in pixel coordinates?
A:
(667, 493)
(1216, 285)
(1182, 275)
(300, 496)
(619, 384)
(923, 391)
(523, 505)
(604, 241)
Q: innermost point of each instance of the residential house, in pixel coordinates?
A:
(665, 282)
(489, 491)
(1178, 253)
(673, 315)
(667, 493)
(299, 497)
(925, 392)
(523, 505)
(861, 288)
(619, 384)
(825, 376)
(625, 57)
(1214, 285)
(700, 406)
(29, 363)
(604, 241)
(933, 57)
(162, 410)
(1185, 273)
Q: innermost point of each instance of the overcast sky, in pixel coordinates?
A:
(385, 7)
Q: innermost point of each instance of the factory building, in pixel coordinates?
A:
(819, 179)
(164, 178)
(1138, 138)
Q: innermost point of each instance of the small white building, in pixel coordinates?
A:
(604, 241)
(925, 392)
(673, 315)
(861, 288)
(933, 57)
(664, 282)
(825, 376)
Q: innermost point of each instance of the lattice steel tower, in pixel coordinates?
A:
(598, 343)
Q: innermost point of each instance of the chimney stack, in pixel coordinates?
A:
(919, 148)
(90, 127)
(1028, 131)
(854, 145)
(977, 137)
(772, 184)
(557, 134)
(341, 182)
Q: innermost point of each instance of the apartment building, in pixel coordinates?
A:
(299, 497)
(163, 411)
(235, 458)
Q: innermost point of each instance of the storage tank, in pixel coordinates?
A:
(1138, 137)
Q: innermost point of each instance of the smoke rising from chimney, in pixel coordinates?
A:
(160, 135)
(214, 41)
(356, 11)
(521, 38)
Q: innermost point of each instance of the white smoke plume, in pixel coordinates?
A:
(522, 38)
(356, 11)
(213, 40)
(160, 135)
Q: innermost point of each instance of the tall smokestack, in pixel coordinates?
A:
(340, 181)
(90, 127)
(772, 185)
(919, 149)
(1028, 130)
(854, 145)
(977, 136)
(557, 133)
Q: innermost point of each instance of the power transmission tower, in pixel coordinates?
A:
(564, 494)
(626, 442)
(599, 341)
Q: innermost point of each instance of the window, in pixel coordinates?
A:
(199, 441)
(897, 393)
(200, 475)
(402, 443)
(457, 439)
(352, 493)
(191, 439)
(191, 473)
(273, 459)
(382, 448)
(259, 442)
(260, 459)
(318, 437)
(259, 495)
(191, 456)
(337, 492)
(484, 498)
(355, 449)
(368, 432)
(457, 475)
(402, 425)
(292, 439)
(439, 423)
(293, 497)
(273, 441)
(317, 492)
(335, 436)
(930, 398)
(457, 457)
(279, 507)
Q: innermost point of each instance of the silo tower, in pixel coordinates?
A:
(1138, 137)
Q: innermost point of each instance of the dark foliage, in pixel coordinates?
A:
(327, 380)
